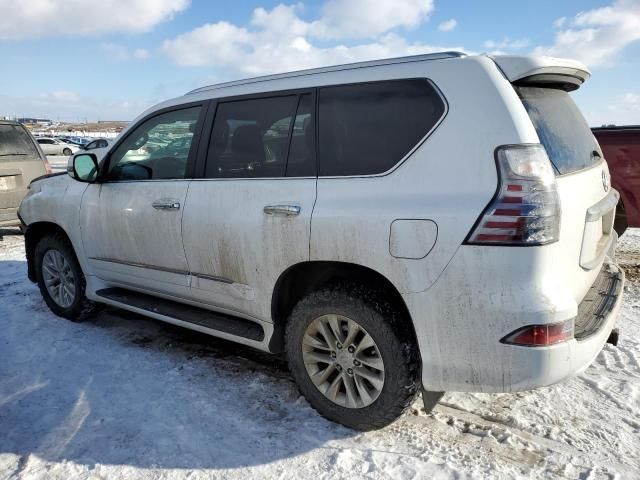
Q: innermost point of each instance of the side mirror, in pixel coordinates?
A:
(83, 167)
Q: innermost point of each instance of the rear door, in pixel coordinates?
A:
(20, 162)
(249, 219)
(131, 221)
(587, 200)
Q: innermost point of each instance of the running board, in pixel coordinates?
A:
(179, 313)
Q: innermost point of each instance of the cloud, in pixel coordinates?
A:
(619, 110)
(50, 18)
(596, 37)
(507, 44)
(122, 53)
(448, 25)
(279, 40)
(67, 105)
(368, 18)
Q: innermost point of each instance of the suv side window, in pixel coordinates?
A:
(251, 138)
(368, 128)
(157, 149)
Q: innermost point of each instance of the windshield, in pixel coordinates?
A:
(561, 128)
(14, 140)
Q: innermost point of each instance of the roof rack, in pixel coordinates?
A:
(334, 68)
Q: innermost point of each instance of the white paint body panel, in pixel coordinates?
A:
(462, 299)
(228, 235)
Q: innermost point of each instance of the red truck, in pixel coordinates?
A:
(621, 149)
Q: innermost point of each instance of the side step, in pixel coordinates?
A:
(238, 327)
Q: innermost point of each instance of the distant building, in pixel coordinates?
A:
(39, 121)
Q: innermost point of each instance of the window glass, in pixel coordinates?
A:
(301, 161)
(157, 149)
(562, 129)
(250, 138)
(368, 128)
(15, 141)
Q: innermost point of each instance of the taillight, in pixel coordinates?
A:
(47, 167)
(541, 335)
(526, 209)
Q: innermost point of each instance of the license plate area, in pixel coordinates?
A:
(598, 231)
(8, 183)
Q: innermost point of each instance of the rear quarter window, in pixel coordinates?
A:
(561, 128)
(368, 128)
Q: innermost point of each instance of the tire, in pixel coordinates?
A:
(75, 307)
(393, 346)
(67, 152)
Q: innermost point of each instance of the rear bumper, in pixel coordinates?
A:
(460, 320)
(9, 217)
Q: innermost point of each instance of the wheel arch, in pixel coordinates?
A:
(32, 235)
(303, 278)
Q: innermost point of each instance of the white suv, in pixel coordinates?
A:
(441, 222)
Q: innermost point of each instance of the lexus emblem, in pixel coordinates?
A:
(605, 181)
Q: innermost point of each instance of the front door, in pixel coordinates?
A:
(131, 220)
(250, 218)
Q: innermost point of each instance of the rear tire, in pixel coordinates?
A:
(60, 279)
(67, 152)
(366, 387)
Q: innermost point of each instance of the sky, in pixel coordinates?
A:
(77, 60)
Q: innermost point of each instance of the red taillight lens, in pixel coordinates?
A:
(47, 167)
(526, 208)
(541, 335)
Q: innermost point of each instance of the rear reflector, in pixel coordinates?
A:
(541, 335)
(525, 210)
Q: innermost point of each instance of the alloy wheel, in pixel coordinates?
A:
(59, 278)
(343, 361)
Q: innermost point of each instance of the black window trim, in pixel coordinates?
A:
(193, 152)
(203, 150)
(413, 149)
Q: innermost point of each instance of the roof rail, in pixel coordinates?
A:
(334, 68)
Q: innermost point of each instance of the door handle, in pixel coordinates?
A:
(166, 204)
(282, 210)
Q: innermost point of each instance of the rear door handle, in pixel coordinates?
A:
(282, 210)
(166, 204)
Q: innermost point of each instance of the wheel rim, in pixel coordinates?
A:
(343, 361)
(58, 278)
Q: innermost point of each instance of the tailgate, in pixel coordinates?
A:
(587, 200)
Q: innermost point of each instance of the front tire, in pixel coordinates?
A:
(60, 278)
(351, 356)
(67, 152)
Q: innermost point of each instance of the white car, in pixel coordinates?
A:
(441, 222)
(54, 146)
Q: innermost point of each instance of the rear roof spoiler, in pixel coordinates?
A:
(542, 71)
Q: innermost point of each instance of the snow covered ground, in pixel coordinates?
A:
(125, 397)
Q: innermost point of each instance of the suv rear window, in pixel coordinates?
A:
(368, 128)
(561, 128)
(15, 141)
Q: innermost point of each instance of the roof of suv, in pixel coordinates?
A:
(514, 67)
(333, 68)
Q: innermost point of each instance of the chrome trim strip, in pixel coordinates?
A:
(163, 269)
(140, 265)
(212, 277)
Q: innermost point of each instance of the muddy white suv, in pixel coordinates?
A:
(441, 222)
